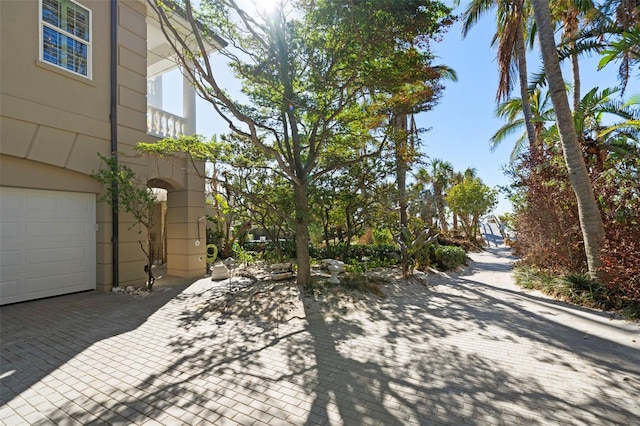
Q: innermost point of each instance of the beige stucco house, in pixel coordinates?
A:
(77, 78)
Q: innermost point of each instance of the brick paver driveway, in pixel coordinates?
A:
(474, 350)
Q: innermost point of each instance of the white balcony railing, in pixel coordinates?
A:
(163, 124)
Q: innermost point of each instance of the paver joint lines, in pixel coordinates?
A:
(471, 348)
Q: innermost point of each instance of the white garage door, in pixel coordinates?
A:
(47, 243)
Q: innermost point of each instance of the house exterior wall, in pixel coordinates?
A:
(53, 124)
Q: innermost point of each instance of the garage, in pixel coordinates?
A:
(47, 243)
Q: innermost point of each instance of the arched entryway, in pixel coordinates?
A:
(179, 236)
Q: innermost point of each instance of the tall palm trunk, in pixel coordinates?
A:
(570, 22)
(575, 72)
(590, 219)
(441, 209)
(521, 54)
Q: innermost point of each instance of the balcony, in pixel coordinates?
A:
(182, 120)
(161, 60)
(163, 124)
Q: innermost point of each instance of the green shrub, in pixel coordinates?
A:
(382, 237)
(449, 257)
(267, 251)
(382, 255)
(242, 256)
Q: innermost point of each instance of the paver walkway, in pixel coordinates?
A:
(473, 350)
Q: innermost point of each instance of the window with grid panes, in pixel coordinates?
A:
(66, 35)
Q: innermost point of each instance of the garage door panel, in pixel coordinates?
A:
(11, 290)
(55, 229)
(76, 207)
(9, 258)
(54, 207)
(13, 206)
(39, 205)
(47, 244)
(42, 270)
(56, 255)
(24, 260)
(53, 284)
(10, 229)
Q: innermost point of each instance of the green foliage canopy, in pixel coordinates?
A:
(471, 199)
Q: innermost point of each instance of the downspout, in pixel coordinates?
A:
(113, 116)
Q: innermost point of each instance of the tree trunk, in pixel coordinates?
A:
(441, 213)
(523, 76)
(590, 218)
(575, 71)
(571, 23)
(325, 228)
(400, 139)
(466, 228)
(302, 233)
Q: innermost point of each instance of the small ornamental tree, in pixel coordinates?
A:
(131, 196)
(470, 200)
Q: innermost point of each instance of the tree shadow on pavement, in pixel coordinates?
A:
(466, 351)
(37, 337)
(457, 352)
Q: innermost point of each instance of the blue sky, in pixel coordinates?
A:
(463, 121)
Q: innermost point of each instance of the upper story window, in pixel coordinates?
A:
(66, 35)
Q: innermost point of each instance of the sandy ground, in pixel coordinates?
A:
(251, 293)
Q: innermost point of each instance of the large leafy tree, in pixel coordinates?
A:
(459, 177)
(311, 71)
(258, 191)
(347, 200)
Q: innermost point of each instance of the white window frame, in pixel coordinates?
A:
(88, 43)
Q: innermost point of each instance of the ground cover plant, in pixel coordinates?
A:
(576, 288)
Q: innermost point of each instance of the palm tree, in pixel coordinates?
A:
(588, 118)
(512, 20)
(439, 177)
(600, 140)
(569, 14)
(626, 49)
(426, 206)
(511, 112)
(411, 99)
(614, 33)
(625, 15)
(589, 214)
